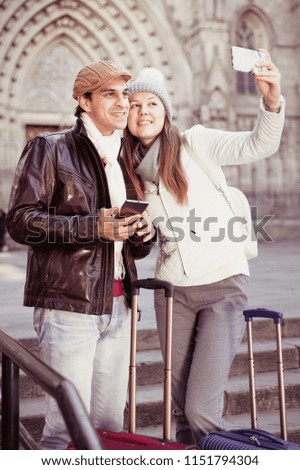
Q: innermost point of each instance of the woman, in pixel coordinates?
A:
(198, 253)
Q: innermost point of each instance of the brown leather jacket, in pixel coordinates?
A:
(60, 184)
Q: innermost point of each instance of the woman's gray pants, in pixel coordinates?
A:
(208, 326)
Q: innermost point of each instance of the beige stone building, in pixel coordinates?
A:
(43, 44)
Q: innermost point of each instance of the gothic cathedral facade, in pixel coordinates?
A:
(43, 44)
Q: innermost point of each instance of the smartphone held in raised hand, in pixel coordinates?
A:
(246, 60)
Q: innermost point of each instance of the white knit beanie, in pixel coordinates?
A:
(151, 79)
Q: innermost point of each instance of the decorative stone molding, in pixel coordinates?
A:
(104, 29)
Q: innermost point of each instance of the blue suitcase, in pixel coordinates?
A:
(254, 438)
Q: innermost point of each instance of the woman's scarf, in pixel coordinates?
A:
(146, 162)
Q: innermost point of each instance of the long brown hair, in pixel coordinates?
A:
(171, 169)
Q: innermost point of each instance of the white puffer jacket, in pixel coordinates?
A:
(196, 243)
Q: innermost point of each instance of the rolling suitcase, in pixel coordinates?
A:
(254, 438)
(129, 440)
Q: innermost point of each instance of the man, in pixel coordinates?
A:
(67, 188)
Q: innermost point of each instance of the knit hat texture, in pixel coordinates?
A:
(93, 76)
(152, 80)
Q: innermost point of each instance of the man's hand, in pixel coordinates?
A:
(116, 229)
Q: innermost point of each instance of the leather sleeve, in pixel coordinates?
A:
(32, 217)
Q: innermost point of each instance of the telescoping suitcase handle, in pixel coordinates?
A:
(152, 284)
(168, 287)
(277, 318)
(263, 313)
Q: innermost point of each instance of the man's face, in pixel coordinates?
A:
(108, 107)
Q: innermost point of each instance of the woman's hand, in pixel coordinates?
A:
(113, 228)
(145, 229)
(268, 79)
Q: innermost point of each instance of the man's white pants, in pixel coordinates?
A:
(93, 353)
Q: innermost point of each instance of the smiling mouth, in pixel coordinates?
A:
(144, 123)
(120, 114)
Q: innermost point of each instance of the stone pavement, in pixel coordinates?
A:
(275, 281)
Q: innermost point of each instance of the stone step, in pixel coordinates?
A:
(149, 398)
(237, 392)
(32, 416)
(268, 421)
(236, 409)
(262, 329)
(147, 339)
(150, 364)
(265, 356)
(150, 408)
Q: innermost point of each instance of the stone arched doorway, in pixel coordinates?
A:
(45, 43)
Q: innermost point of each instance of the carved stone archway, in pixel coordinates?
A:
(45, 43)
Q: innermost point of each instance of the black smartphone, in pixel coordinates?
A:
(132, 207)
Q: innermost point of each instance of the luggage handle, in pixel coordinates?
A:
(168, 287)
(278, 321)
(263, 313)
(152, 284)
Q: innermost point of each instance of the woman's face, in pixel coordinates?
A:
(146, 117)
